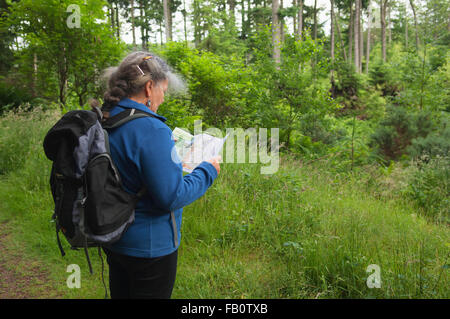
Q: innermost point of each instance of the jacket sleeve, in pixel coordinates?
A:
(163, 177)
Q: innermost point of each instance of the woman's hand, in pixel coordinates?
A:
(215, 162)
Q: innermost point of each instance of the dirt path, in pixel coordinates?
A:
(20, 278)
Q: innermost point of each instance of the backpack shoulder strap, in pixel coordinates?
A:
(124, 117)
(118, 120)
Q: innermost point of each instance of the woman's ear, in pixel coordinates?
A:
(148, 88)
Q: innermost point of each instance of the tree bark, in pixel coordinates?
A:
(383, 4)
(357, 30)
(361, 36)
(232, 5)
(339, 34)
(111, 16)
(300, 20)
(369, 24)
(243, 34)
(143, 29)
(185, 22)
(294, 20)
(170, 21)
(415, 24)
(248, 28)
(167, 20)
(276, 32)
(315, 20)
(350, 34)
(117, 22)
(35, 71)
(332, 39)
(281, 24)
(389, 30)
(133, 29)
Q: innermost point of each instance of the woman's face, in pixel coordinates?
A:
(156, 93)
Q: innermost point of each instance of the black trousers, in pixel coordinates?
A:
(141, 278)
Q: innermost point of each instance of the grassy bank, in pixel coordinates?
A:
(307, 231)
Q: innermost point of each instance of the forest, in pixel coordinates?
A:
(360, 92)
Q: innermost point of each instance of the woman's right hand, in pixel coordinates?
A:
(215, 162)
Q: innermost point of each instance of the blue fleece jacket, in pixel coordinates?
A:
(142, 152)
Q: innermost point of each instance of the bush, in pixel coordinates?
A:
(21, 135)
(398, 130)
(382, 77)
(11, 96)
(434, 144)
(429, 187)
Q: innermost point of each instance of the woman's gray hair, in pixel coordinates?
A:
(133, 73)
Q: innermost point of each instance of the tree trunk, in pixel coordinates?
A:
(294, 20)
(143, 29)
(315, 20)
(350, 35)
(117, 22)
(243, 34)
(147, 37)
(389, 30)
(300, 20)
(170, 20)
(62, 77)
(332, 40)
(276, 32)
(184, 20)
(383, 4)
(339, 34)
(357, 30)
(167, 20)
(160, 33)
(248, 28)
(111, 16)
(133, 29)
(232, 4)
(361, 36)
(415, 24)
(369, 24)
(35, 70)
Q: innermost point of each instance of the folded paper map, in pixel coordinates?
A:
(194, 149)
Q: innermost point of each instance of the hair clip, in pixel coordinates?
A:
(148, 57)
(142, 72)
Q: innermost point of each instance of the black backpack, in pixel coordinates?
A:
(91, 207)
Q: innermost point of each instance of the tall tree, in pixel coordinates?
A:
(300, 19)
(350, 33)
(383, 6)
(332, 38)
(369, 25)
(388, 26)
(282, 23)
(338, 32)
(356, 34)
(415, 24)
(276, 34)
(167, 20)
(71, 52)
(132, 22)
(361, 35)
(315, 20)
(184, 13)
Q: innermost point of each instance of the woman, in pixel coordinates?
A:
(142, 264)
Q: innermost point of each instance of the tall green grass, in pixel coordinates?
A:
(307, 231)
